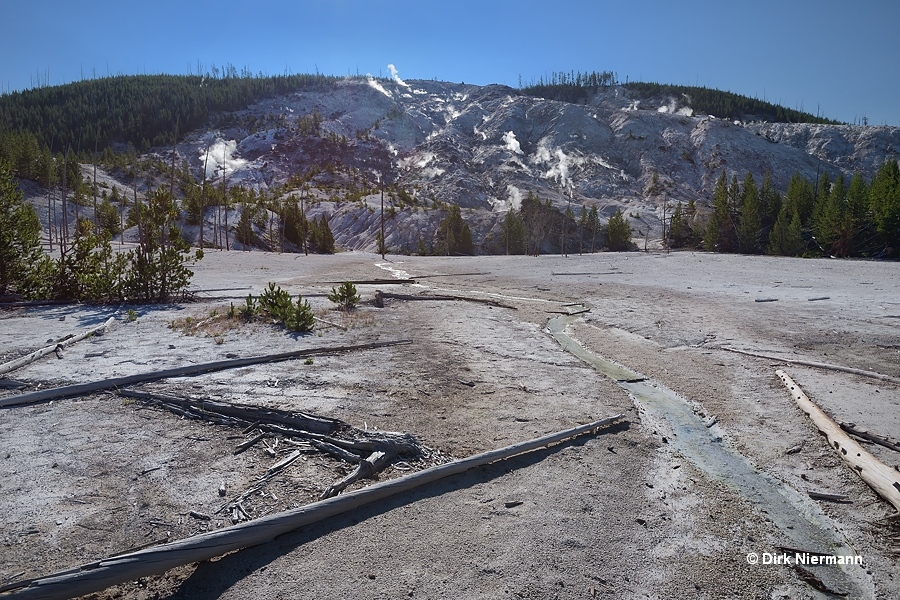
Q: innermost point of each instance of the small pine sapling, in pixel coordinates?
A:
(301, 319)
(345, 296)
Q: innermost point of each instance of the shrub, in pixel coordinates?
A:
(345, 296)
(297, 317)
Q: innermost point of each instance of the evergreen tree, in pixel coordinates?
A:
(594, 226)
(618, 233)
(786, 238)
(832, 224)
(860, 215)
(720, 232)
(245, 234)
(799, 198)
(884, 199)
(326, 239)
(21, 257)
(679, 229)
(158, 268)
(454, 234)
(751, 220)
(108, 218)
(512, 231)
(582, 228)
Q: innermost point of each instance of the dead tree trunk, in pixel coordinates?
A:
(30, 358)
(117, 382)
(102, 574)
(880, 477)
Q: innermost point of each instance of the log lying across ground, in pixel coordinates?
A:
(852, 429)
(880, 477)
(30, 358)
(817, 365)
(447, 297)
(102, 574)
(370, 451)
(117, 382)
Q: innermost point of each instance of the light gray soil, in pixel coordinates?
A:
(624, 514)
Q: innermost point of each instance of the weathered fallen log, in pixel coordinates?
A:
(383, 447)
(829, 497)
(867, 435)
(243, 414)
(445, 297)
(816, 365)
(102, 574)
(884, 480)
(370, 281)
(117, 382)
(30, 358)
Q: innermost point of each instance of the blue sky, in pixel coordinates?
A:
(834, 57)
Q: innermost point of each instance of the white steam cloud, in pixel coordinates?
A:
(393, 70)
(672, 109)
(371, 81)
(515, 197)
(221, 156)
(511, 143)
(559, 162)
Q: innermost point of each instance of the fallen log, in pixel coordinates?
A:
(445, 297)
(816, 365)
(102, 574)
(55, 347)
(253, 416)
(117, 382)
(884, 480)
(866, 435)
(370, 281)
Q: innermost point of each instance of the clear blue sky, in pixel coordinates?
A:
(839, 58)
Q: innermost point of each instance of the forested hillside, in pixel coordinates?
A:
(578, 87)
(141, 110)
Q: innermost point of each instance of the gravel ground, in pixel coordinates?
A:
(623, 514)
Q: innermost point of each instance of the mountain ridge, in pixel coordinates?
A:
(486, 148)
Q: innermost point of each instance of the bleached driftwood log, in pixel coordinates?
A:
(880, 477)
(30, 358)
(102, 574)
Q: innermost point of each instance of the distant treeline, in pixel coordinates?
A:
(140, 110)
(825, 218)
(578, 87)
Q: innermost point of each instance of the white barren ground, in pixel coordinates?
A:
(616, 515)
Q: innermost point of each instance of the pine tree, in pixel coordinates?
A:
(679, 230)
(454, 234)
(21, 257)
(326, 239)
(512, 232)
(832, 225)
(618, 233)
(750, 220)
(884, 199)
(720, 232)
(594, 226)
(786, 239)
